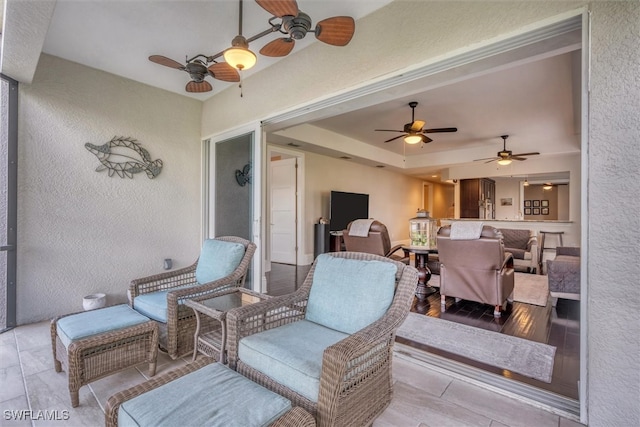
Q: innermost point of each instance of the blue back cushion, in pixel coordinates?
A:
(347, 294)
(218, 258)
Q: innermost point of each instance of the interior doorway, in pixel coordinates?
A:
(285, 186)
(282, 193)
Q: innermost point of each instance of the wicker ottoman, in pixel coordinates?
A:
(203, 393)
(93, 344)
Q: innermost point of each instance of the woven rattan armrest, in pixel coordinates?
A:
(114, 402)
(163, 281)
(261, 316)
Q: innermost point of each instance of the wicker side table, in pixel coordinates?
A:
(98, 355)
(211, 313)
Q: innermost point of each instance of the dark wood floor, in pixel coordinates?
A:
(556, 326)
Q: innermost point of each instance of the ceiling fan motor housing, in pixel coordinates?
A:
(197, 70)
(297, 27)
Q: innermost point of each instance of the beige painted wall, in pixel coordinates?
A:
(393, 197)
(81, 231)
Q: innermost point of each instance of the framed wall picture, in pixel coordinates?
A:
(527, 211)
(527, 204)
(507, 201)
(536, 211)
(544, 203)
(545, 211)
(536, 203)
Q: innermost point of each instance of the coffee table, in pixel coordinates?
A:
(210, 337)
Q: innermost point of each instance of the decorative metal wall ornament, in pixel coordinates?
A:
(125, 157)
(244, 176)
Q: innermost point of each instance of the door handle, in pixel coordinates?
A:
(7, 248)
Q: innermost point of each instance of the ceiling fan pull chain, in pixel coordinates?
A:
(240, 84)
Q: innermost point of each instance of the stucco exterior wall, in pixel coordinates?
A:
(614, 224)
(82, 231)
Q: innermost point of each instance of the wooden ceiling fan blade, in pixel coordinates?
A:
(526, 154)
(440, 130)
(278, 47)
(388, 130)
(167, 62)
(426, 139)
(336, 31)
(487, 158)
(517, 158)
(225, 72)
(279, 8)
(198, 87)
(394, 138)
(417, 125)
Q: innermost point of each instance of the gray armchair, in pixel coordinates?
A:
(377, 242)
(564, 274)
(523, 245)
(475, 269)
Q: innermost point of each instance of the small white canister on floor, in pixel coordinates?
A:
(93, 301)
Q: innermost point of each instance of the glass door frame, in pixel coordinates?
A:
(9, 243)
(259, 284)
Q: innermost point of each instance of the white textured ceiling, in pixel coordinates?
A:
(118, 36)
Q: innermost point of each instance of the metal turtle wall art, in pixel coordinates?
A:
(125, 157)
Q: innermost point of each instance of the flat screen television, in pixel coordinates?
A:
(345, 207)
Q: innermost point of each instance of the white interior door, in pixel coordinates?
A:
(283, 211)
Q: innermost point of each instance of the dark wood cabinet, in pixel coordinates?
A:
(477, 198)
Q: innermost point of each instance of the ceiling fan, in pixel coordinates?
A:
(414, 132)
(505, 156)
(336, 31)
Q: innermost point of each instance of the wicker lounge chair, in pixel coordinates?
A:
(223, 264)
(348, 381)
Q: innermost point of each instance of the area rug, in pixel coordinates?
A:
(527, 288)
(528, 358)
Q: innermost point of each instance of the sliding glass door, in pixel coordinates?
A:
(232, 199)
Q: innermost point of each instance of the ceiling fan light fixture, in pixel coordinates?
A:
(547, 186)
(413, 139)
(504, 162)
(239, 56)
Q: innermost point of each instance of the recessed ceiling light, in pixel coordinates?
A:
(293, 144)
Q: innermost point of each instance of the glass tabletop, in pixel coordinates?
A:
(228, 301)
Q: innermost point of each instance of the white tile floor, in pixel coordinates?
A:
(423, 396)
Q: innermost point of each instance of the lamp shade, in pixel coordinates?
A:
(412, 139)
(504, 162)
(240, 58)
(238, 55)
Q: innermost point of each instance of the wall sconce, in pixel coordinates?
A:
(547, 186)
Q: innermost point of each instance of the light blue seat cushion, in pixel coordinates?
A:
(218, 258)
(348, 294)
(214, 395)
(291, 354)
(82, 325)
(154, 304)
